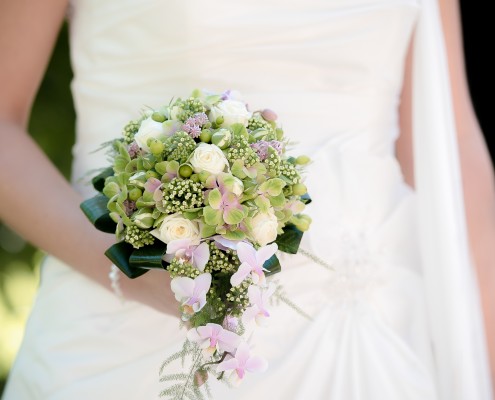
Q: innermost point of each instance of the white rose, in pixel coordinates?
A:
(264, 227)
(176, 227)
(232, 111)
(209, 158)
(149, 129)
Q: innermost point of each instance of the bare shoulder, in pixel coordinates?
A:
(28, 30)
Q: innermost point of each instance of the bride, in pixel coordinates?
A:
(364, 88)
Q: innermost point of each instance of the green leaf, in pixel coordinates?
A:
(272, 265)
(149, 257)
(305, 198)
(99, 180)
(97, 212)
(289, 241)
(207, 230)
(119, 254)
(212, 217)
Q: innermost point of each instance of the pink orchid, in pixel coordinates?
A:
(188, 250)
(259, 300)
(252, 261)
(191, 293)
(242, 361)
(213, 337)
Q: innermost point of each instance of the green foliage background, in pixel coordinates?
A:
(52, 126)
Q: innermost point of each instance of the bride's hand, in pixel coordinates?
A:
(152, 289)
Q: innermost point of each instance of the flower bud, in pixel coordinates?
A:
(158, 117)
(205, 136)
(280, 133)
(144, 218)
(222, 138)
(269, 115)
(219, 121)
(194, 177)
(299, 189)
(203, 176)
(135, 194)
(185, 170)
(301, 221)
(156, 146)
(302, 160)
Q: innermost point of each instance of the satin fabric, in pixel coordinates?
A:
(398, 316)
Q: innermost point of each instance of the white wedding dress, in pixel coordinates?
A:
(398, 318)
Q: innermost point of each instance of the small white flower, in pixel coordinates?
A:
(149, 129)
(232, 111)
(209, 158)
(264, 227)
(176, 227)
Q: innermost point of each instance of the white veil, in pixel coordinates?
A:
(452, 293)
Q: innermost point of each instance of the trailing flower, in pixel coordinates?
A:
(203, 187)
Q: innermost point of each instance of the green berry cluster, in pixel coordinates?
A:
(240, 150)
(190, 107)
(290, 172)
(138, 237)
(238, 297)
(221, 260)
(130, 130)
(180, 195)
(180, 147)
(179, 267)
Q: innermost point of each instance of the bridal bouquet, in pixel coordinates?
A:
(203, 188)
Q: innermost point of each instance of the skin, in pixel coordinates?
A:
(28, 32)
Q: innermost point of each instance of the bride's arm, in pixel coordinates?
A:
(476, 167)
(36, 200)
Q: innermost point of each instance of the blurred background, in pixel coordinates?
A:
(52, 126)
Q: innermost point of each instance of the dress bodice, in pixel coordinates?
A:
(331, 70)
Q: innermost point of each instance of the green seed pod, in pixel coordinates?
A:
(222, 138)
(185, 170)
(205, 136)
(280, 133)
(135, 194)
(299, 189)
(203, 176)
(302, 160)
(219, 121)
(158, 117)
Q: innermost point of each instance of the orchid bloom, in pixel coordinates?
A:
(252, 261)
(213, 337)
(188, 250)
(191, 293)
(241, 362)
(259, 300)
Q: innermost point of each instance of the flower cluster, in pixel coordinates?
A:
(210, 181)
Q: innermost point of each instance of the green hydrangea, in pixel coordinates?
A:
(179, 267)
(180, 195)
(130, 130)
(138, 237)
(221, 260)
(180, 147)
(272, 162)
